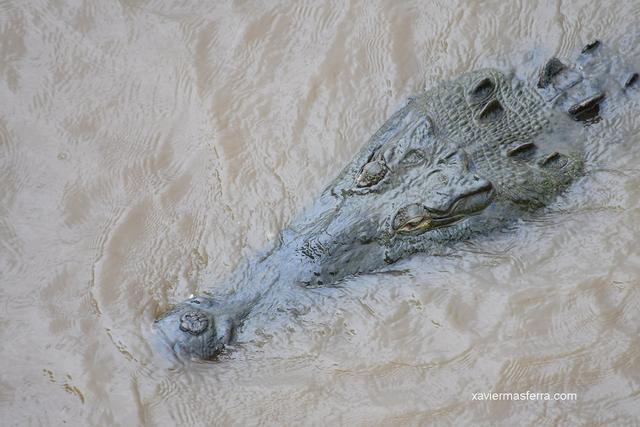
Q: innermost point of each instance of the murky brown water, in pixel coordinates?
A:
(147, 146)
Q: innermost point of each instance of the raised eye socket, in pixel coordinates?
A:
(481, 90)
(412, 218)
(371, 173)
(414, 225)
(413, 157)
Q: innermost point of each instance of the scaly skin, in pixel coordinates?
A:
(457, 160)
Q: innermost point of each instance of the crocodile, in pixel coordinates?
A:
(458, 160)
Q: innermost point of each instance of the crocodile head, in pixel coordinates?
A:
(409, 193)
(428, 177)
(421, 192)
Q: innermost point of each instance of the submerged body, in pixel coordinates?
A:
(457, 160)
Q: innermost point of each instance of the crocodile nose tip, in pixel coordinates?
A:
(194, 322)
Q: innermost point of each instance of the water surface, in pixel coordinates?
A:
(147, 146)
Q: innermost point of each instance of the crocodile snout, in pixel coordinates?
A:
(190, 330)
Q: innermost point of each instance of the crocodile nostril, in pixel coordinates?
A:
(194, 322)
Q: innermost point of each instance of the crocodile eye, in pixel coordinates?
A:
(371, 173)
(412, 218)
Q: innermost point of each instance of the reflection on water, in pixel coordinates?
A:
(147, 146)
